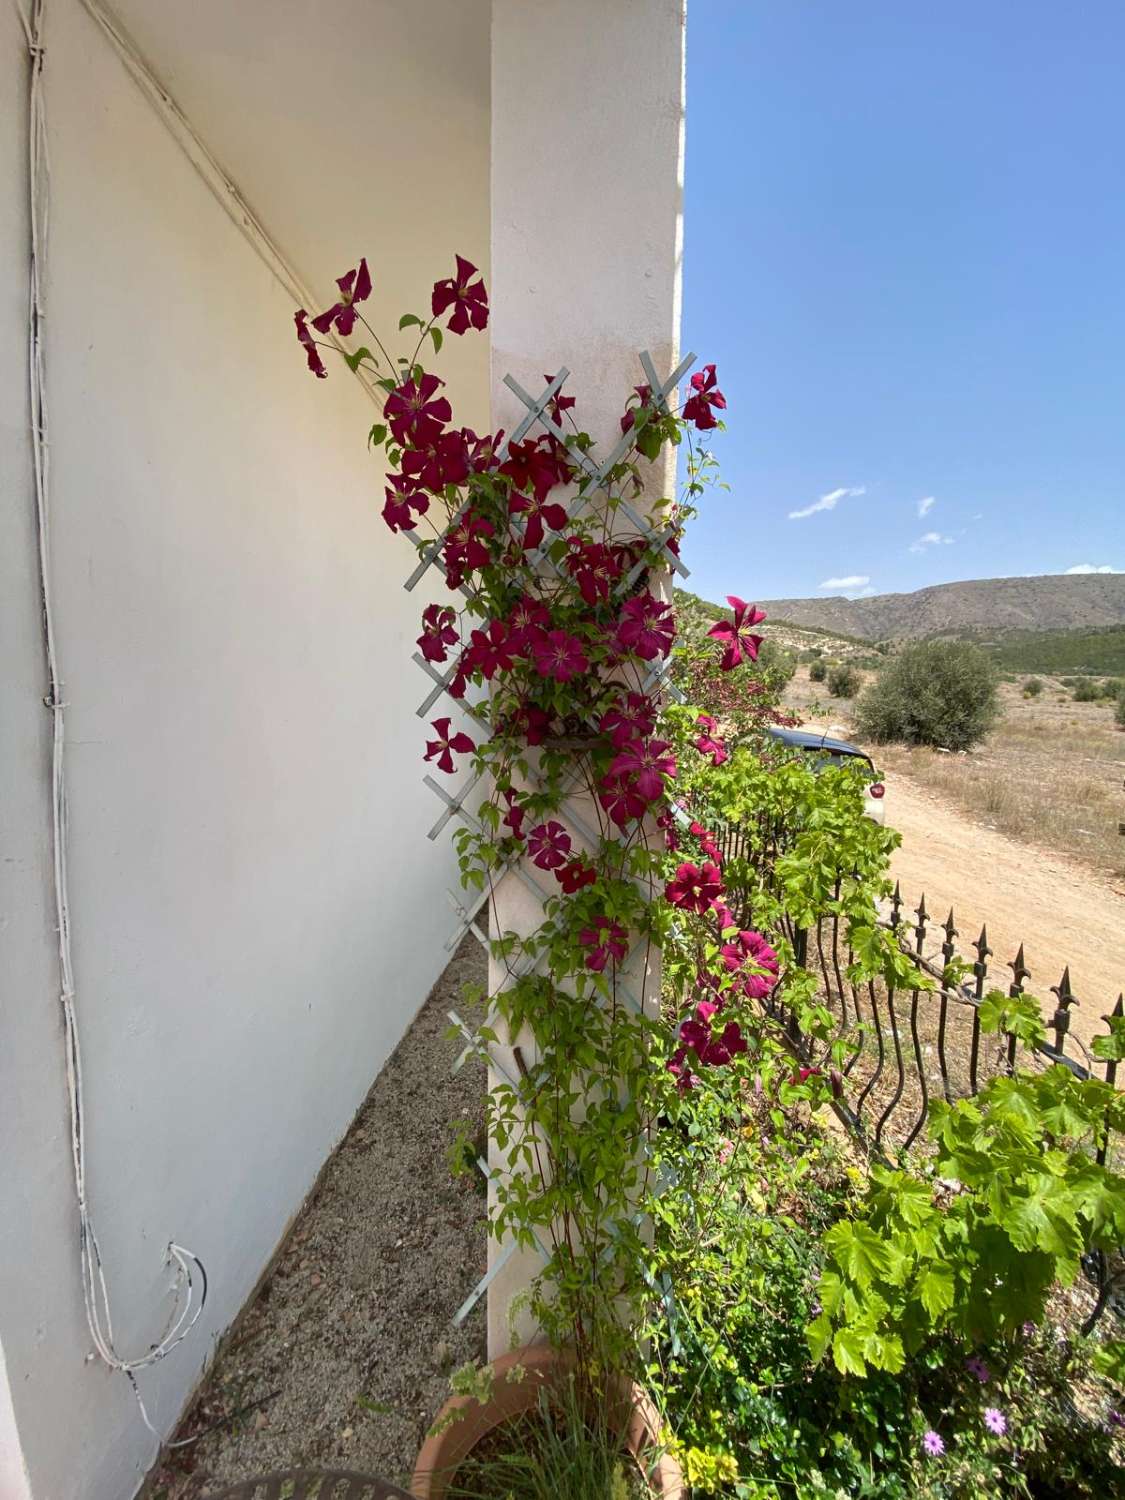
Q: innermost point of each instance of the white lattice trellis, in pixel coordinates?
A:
(595, 476)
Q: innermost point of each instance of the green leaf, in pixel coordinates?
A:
(935, 1288)
(436, 335)
(1111, 1048)
(847, 1351)
(409, 320)
(859, 1251)
(818, 1336)
(377, 436)
(353, 361)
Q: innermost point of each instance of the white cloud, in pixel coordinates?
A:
(828, 502)
(925, 506)
(930, 539)
(1090, 568)
(852, 581)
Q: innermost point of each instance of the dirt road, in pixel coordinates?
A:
(1062, 913)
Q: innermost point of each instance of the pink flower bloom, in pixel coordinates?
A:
(710, 1050)
(539, 513)
(725, 1151)
(559, 656)
(466, 547)
(644, 395)
(594, 567)
(695, 887)
(605, 940)
(709, 743)
(680, 1070)
(308, 343)
(645, 764)
(633, 719)
(440, 748)
(513, 818)
(548, 845)
(468, 299)
(445, 461)
(705, 395)
(739, 641)
(723, 915)
(536, 464)
(977, 1366)
(706, 842)
(574, 875)
(750, 950)
(438, 633)
(558, 402)
(646, 627)
(402, 500)
(528, 619)
(995, 1421)
(933, 1444)
(489, 651)
(354, 287)
(620, 800)
(415, 413)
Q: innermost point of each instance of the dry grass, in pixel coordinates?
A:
(1051, 773)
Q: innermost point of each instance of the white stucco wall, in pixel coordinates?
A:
(586, 258)
(256, 911)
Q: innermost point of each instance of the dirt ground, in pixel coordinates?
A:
(1061, 912)
(1019, 836)
(343, 1359)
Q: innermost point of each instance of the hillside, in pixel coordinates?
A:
(980, 607)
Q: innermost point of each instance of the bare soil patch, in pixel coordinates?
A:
(349, 1343)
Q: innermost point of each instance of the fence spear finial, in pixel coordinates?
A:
(1020, 972)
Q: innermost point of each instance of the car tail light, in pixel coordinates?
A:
(877, 790)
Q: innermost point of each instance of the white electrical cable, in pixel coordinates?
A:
(187, 1263)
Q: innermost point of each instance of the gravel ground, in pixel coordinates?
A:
(349, 1343)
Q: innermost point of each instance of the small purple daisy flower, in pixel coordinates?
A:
(995, 1421)
(933, 1444)
(976, 1366)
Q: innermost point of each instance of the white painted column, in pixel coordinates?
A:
(587, 176)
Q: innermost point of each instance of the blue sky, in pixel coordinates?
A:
(905, 251)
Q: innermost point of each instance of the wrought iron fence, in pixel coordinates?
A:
(905, 1048)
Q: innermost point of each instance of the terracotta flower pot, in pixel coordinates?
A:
(442, 1454)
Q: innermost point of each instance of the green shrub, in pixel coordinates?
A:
(1032, 687)
(933, 693)
(843, 681)
(1119, 710)
(818, 672)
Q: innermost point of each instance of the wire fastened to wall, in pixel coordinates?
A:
(190, 1282)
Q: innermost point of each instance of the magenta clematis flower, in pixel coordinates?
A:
(706, 842)
(594, 567)
(548, 845)
(644, 764)
(354, 287)
(445, 461)
(536, 465)
(308, 343)
(739, 641)
(559, 656)
(933, 1444)
(402, 502)
(723, 916)
(438, 633)
(681, 1071)
(643, 394)
(528, 620)
(558, 402)
(995, 1421)
(467, 297)
(489, 651)
(513, 818)
(705, 395)
(712, 1051)
(415, 412)
(606, 940)
(646, 627)
(621, 801)
(633, 719)
(539, 513)
(575, 874)
(749, 950)
(695, 887)
(440, 748)
(466, 547)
